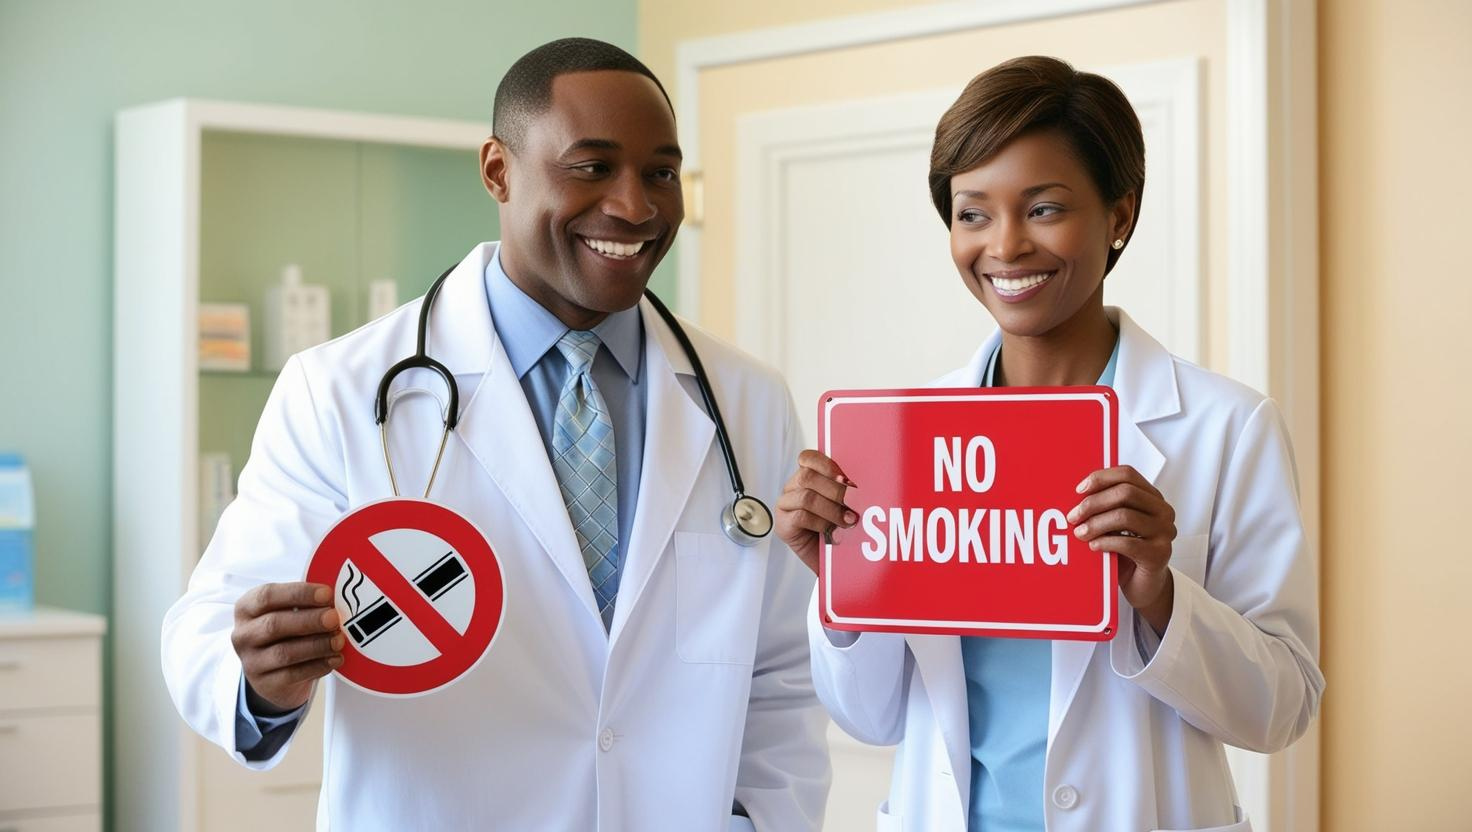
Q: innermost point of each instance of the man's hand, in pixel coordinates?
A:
(287, 636)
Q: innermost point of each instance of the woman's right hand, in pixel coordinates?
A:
(812, 506)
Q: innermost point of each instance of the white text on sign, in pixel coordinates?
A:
(968, 535)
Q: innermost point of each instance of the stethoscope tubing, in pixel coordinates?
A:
(421, 360)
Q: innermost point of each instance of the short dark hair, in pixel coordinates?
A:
(1033, 94)
(526, 91)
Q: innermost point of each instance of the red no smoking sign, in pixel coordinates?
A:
(419, 591)
(962, 500)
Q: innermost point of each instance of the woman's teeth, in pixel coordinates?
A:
(618, 251)
(1018, 285)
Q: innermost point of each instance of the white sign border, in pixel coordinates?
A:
(831, 403)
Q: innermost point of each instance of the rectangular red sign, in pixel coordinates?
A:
(962, 499)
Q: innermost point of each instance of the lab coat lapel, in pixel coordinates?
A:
(496, 423)
(944, 673)
(677, 439)
(1145, 383)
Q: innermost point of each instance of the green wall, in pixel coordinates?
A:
(66, 67)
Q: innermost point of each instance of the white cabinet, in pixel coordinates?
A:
(51, 721)
(406, 202)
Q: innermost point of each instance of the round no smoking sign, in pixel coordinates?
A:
(419, 591)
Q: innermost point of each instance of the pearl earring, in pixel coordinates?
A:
(1118, 244)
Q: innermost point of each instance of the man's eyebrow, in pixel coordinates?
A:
(592, 144)
(610, 144)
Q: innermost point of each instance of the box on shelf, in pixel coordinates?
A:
(224, 337)
(298, 317)
(17, 521)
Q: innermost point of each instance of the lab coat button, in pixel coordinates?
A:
(605, 739)
(1065, 797)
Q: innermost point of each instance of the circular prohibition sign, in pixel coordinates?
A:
(433, 590)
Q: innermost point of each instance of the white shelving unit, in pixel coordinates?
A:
(166, 777)
(51, 721)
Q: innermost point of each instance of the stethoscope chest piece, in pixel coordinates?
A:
(746, 520)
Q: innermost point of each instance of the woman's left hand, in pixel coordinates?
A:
(1123, 513)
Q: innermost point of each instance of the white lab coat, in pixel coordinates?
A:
(1133, 745)
(700, 694)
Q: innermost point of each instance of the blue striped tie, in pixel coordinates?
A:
(582, 457)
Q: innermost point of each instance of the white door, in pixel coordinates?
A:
(843, 271)
(844, 278)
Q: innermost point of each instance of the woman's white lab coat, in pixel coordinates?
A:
(1135, 729)
(700, 694)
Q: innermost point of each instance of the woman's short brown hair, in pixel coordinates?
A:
(1037, 93)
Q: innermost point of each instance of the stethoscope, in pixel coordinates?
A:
(745, 521)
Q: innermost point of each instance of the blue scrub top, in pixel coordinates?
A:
(1007, 694)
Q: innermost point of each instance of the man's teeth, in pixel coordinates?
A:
(609, 248)
(1018, 285)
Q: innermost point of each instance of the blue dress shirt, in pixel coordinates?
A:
(1007, 696)
(529, 334)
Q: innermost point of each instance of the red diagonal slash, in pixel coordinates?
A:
(411, 602)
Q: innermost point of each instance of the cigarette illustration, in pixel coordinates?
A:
(376, 618)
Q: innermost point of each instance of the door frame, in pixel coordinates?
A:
(1272, 233)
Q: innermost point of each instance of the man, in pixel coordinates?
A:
(648, 673)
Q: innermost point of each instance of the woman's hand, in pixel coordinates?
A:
(812, 506)
(1124, 514)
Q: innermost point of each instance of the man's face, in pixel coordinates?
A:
(590, 201)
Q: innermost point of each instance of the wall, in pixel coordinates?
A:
(1125, 36)
(1396, 125)
(66, 68)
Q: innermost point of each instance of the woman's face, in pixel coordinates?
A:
(1030, 234)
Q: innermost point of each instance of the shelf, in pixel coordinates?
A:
(240, 191)
(241, 374)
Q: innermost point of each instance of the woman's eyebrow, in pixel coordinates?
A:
(1026, 194)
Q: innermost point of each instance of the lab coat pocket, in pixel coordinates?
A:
(1188, 556)
(718, 599)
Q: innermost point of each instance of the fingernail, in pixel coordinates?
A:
(337, 642)
(329, 619)
(1082, 531)
(843, 478)
(1073, 515)
(850, 518)
(1083, 486)
(322, 595)
(1094, 544)
(334, 661)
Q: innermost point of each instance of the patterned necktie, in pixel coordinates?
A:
(582, 457)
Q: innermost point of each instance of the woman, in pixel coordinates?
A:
(1038, 172)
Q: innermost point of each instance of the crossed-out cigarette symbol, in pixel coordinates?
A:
(375, 619)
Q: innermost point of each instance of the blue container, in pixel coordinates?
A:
(17, 523)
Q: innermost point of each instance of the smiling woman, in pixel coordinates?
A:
(1037, 171)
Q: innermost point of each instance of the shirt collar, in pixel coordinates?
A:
(1106, 378)
(528, 330)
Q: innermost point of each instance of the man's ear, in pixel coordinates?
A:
(494, 161)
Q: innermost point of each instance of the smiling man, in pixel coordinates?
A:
(648, 673)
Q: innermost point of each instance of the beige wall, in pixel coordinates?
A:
(1396, 131)
(1396, 128)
